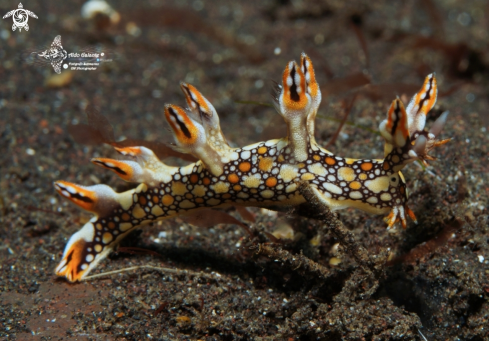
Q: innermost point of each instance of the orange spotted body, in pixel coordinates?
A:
(265, 174)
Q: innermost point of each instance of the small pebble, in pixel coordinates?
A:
(334, 261)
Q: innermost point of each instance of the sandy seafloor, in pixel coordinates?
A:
(231, 50)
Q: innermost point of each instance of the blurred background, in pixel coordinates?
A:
(233, 50)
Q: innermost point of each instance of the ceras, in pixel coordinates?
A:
(264, 174)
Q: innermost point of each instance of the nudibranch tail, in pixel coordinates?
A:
(116, 216)
(263, 174)
(78, 258)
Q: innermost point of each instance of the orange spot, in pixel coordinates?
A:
(265, 164)
(142, 200)
(301, 165)
(226, 196)
(366, 166)
(401, 190)
(237, 188)
(262, 150)
(330, 161)
(125, 216)
(107, 237)
(280, 158)
(155, 199)
(199, 200)
(244, 166)
(271, 182)
(233, 178)
(355, 185)
(316, 157)
(206, 181)
(194, 178)
(111, 225)
(189, 196)
(386, 166)
(167, 200)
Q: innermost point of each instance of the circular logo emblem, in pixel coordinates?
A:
(20, 17)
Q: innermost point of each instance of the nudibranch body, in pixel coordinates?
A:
(264, 174)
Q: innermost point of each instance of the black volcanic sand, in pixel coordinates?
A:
(436, 282)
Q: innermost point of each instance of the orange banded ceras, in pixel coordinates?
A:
(263, 174)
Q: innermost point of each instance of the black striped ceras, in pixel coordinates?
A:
(263, 174)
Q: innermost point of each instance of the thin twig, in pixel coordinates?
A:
(296, 260)
(255, 103)
(347, 111)
(349, 123)
(320, 211)
(422, 336)
(151, 267)
(327, 118)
